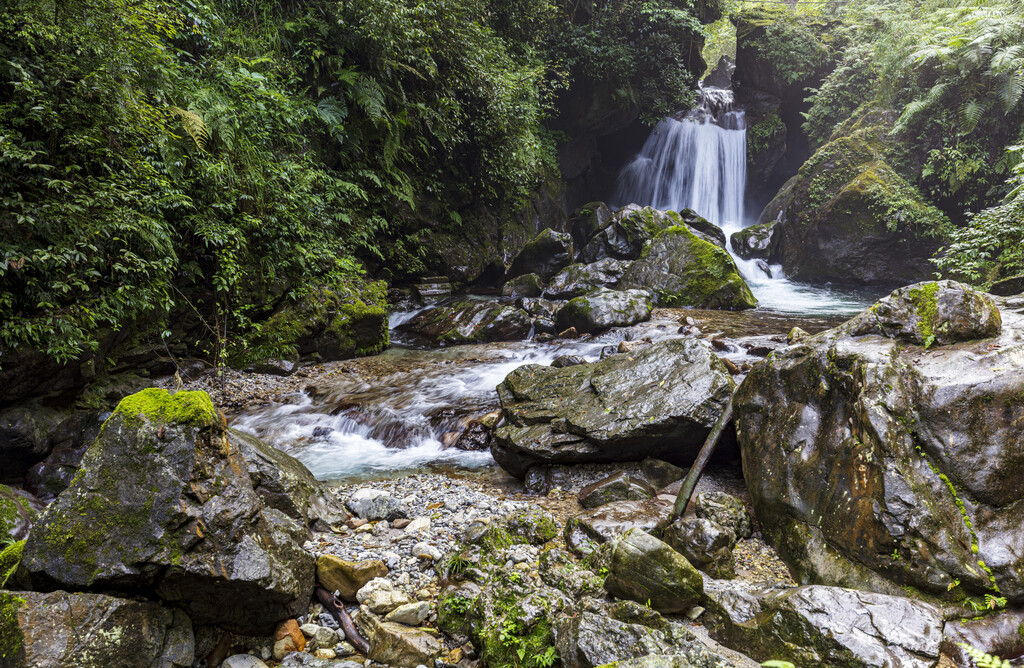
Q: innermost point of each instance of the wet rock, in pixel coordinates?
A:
(644, 569)
(534, 526)
(938, 313)
(611, 410)
(477, 436)
(545, 255)
(527, 285)
(627, 230)
(996, 633)
(347, 577)
(588, 220)
(456, 321)
(577, 280)
(660, 473)
(588, 640)
(831, 626)
(285, 484)
(1007, 287)
(398, 645)
(162, 496)
(795, 335)
(567, 360)
(243, 661)
(619, 487)
(18, 511)
(25, 438)
(705, 544)
(754, 242)
(288, 637)
(902, 464)
(375, 505)
(682, 269)
(272, 367)
(432, 288)
(410, 614)
(72, 438)
(602, 309)
(726, 511)
(92, 631)
(381, 596)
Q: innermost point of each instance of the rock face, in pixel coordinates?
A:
(646, 570)
(831, 626)
(682, 269)
(455, 321)
(660, 402)
(603, 309)
(25, 433)
(545, 255)
(755, 242)
(577, 280)
(163, 506)
(877, 464)
(91, 631)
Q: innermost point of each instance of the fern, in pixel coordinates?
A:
(971, 113)
(193, 125)
(982, 659)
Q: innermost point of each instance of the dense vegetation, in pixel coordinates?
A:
(198, 162)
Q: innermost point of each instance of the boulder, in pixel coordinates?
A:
(840, 628)
(72, 438)
(705, 544)
(272, 367)
(410, 614)
(285, 484)
(646, 570)
(91, 631)
(660, 402)
(456, 321)
(608, 522)
(545, 255)
(618, 487)
(587, 221)
(755, 242)
(18, 511)
(381, 597)
(25, 438)
(577, 280)
(527, 285)
(626, 232)
(375, 505)
(602, 309)
(682, 270)
(726, 511)
(567, 360)
(588, 640)
(660, 473)
(534, 526)
(880, 465)
(163, 506)
(347, 577)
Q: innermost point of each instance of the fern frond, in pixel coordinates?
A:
(970, 113)
(1011, 90)
(193, 125)
(370, 98)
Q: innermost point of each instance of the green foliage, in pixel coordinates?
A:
(761, 135)
(982, 659)
(10, 559)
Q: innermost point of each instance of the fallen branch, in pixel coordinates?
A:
(690, 483)
(337, 610)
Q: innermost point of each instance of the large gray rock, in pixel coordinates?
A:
(163, 506)
(659, 402)
(375, 504)
(588, 640)
(91, 631)
(755, 242)
(705, 544)
(618, 487)
(603, 309)
(545, 255)
(456, 321)
(683, 269)
(577, 280)
(840, 628)
(626, 231)
(646, 570)
(25, 437)
(611, 520)
(876, 464)
(18, 510)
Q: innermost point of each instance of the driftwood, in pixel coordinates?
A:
(686, 491)
(337, 610)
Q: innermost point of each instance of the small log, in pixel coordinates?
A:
(337, 610)
(690, 483)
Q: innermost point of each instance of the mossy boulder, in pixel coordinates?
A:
(545, 255)
(334, 320)
(91, 631)
(628, 229)
(900, 465)
(577, 280)
(163, 506)
(527, 285)
(603, 309)
(682, 269)
(848, 217)
(646, 570)
(756, 242)
(458, 321)
(18, 510)
(705, 544)
(660, 401)
(587, 221)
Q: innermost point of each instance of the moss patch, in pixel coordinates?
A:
(193, 408)
(12, 640)
(926, 307)
(10, 559)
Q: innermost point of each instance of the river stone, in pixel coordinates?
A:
(163, 506)
(527, 285)
(92, 631)
(660, 402)
(725, 510)
(285, 484)
(577, 280)
(682, 269)
(926, 314)
(398, 645)
(243, 661)
(375, 505)
(588, 640)
(545, 255)
(410, 614)
(602, 309)
(381, 596)
(878, 466)
(608, 522)
(618, 487)
(626, 232)
(841, 628)
(705, 544)
(644, 569)
(755, 242)
(660, 473)
(457, 321)
(347, 577)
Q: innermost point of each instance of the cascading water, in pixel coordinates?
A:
(698, 161)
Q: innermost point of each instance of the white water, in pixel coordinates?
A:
(699, 162)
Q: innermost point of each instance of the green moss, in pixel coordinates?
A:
(926, 307)
(10, 559)
(508, 642)
(452, 614)
(761, 135)
(193, 408)
(12, 640)
(710, 279)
